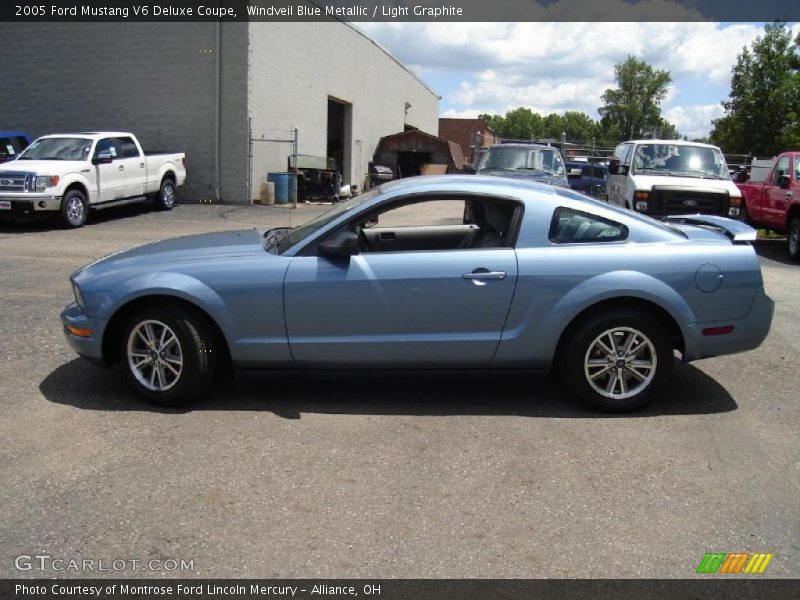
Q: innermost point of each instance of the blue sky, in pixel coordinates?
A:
(554, 67)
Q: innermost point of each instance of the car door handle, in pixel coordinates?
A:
(481, 276)
(141, 165)
(122, 167)
(788, 195)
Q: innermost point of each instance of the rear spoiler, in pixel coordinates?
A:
(735, 230)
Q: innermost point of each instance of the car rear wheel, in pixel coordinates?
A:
(168, 356)
(166, 195)
(74, 209)
(617, 361)
(793, 240)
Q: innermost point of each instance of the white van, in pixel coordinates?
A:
(668, 177)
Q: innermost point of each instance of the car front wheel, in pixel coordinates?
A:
(74, 209)
(618, 361)
(168, 356)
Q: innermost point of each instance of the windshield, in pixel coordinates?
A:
(298, 234)
(520, 158)
(683, 161)
(58, 149)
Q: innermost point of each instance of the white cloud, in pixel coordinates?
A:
(558, 66)
(694, 121)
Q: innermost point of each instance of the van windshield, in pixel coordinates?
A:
(61, 148)
(680, 160)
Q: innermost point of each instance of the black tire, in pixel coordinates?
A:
(74, 209)
(793, 240)
(166, 195)
(581, 346)
(195, 349)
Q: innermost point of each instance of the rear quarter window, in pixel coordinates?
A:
(570, 226)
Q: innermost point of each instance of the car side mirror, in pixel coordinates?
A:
(103, 158)
(342, 245)
(469, 169)
(783, 180)
(371, 222)
(613, 167)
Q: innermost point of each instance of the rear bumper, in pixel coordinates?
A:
(89, 347)
(748, 333)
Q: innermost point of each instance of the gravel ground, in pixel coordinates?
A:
(445, 475)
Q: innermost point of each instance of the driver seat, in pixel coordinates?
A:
(493, 221)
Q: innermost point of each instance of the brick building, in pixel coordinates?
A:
(462, 131)
(196, 86)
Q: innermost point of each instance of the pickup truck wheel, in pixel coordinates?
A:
(617, 361)
(166, 195)
(74, 209)
(168, 356)
(793, 240)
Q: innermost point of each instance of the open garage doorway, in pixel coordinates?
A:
(340, 135)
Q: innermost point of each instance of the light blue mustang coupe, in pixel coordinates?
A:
(481, 272)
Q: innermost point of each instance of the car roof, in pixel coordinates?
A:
(13, 134)
(94, 135)
(526, 190)
(523, 145)
(672, 142)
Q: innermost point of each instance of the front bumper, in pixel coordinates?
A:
(18, 205)
(90, 347)
(748, 333)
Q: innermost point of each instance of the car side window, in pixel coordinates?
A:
(570, 226)
(107, 145)
(627, 154)
(782, 168)
(127, 147)
(424, 214)
(797, 168)
(7, 150)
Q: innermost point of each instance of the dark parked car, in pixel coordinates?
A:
(588, 178)
(12, 143)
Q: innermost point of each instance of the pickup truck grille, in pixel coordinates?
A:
(676, 202)
(15, 182)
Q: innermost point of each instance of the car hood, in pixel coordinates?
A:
(163, 255)
(43, 167)
(527, 176)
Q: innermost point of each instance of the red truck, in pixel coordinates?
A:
(774, 203)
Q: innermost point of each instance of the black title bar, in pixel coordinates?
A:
(400, 10)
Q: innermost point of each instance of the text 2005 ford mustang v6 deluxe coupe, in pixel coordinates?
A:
(526, 276)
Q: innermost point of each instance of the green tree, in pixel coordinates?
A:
(633, 109)
(762, 115)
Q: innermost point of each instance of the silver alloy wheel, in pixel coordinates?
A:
(75, 210)
(794, 240)
(168, 195)
(154, 355)
(620, 363)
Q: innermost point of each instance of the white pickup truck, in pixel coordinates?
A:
(74, 172)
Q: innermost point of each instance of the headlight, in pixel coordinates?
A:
(733, 211)
(78, 296)
(641, 206)
(46, 181)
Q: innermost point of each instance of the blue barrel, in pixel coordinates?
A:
(284, 185)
